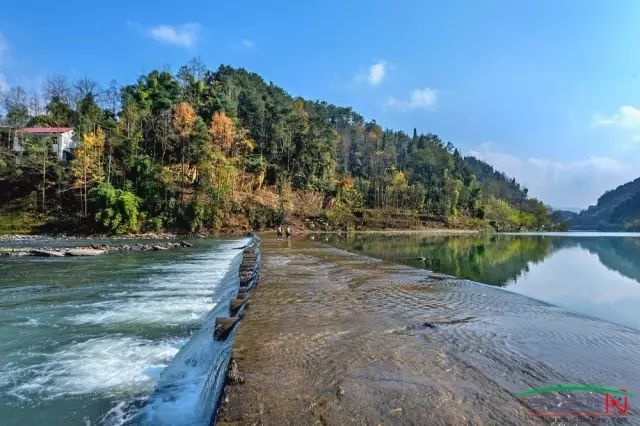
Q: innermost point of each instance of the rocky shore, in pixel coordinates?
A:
(71, 237)
(91, 250)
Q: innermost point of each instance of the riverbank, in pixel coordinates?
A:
(338, 338)
(48, 246)
(300, 216)
(299, 227)
(417, 231)
(97, 236)
(18, 244)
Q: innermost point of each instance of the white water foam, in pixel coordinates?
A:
(110, 366)
(165, 300)
(188, 389)
(122, 413)
(126, 367)
(169, 311)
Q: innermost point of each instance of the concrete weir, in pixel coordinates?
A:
(248, 272)
(336, 338)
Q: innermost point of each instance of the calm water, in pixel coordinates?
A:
(113, 339)
(596, 274)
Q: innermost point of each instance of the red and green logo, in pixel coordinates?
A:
(577, 401)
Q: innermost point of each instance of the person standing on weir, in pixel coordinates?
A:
(279, 231)
(288, 232)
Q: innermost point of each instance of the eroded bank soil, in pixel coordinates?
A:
(336, 338)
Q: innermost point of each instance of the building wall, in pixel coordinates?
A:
(65, 143)
(61, 143)
(17, 147)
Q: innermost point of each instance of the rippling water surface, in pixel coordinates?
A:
(441, 350)
(595, 274)
(115, 338)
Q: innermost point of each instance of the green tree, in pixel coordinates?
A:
(115, 210)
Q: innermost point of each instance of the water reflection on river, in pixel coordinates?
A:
(596, 274)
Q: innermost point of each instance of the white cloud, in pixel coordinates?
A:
(244, 44)
(247, 44)
(375, 74)
(183, 35)
(420, 99)
(572, 184)
(628, 117)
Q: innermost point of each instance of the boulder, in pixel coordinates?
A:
(46, 253)
(224, 326)
(245, 281)
(84, 252)
(236, 304)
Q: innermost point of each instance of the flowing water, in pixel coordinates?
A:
(120, 338)
(595, 274)
(126, 337)
(351, 339)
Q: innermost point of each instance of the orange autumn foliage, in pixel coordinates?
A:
(222, 131)
(184, 117)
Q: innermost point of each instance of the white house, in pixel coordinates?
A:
(62, 138)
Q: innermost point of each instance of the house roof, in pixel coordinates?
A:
(45, 130)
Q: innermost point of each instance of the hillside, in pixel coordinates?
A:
(617, 209)
(223, 151)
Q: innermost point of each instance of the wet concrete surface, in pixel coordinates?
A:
(331, 337)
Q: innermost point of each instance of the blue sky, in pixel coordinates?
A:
(546, 91)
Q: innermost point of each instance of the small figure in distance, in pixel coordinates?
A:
(279, 231)
(288, 231)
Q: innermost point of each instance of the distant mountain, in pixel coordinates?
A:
(563, 216)
(566, 209)
(618, 209)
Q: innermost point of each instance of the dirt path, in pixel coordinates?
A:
(335, 338)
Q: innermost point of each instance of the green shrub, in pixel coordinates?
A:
(154, 224)
(115, 210)
(195, 215)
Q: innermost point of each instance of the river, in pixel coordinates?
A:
(124, 337)
(591, 273)
(337, 337)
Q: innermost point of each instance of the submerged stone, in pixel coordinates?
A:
(46, 253)
(223, 327)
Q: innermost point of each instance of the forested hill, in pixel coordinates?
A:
(224, 150)
(617, 209)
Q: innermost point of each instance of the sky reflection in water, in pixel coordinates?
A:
(589, 273)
